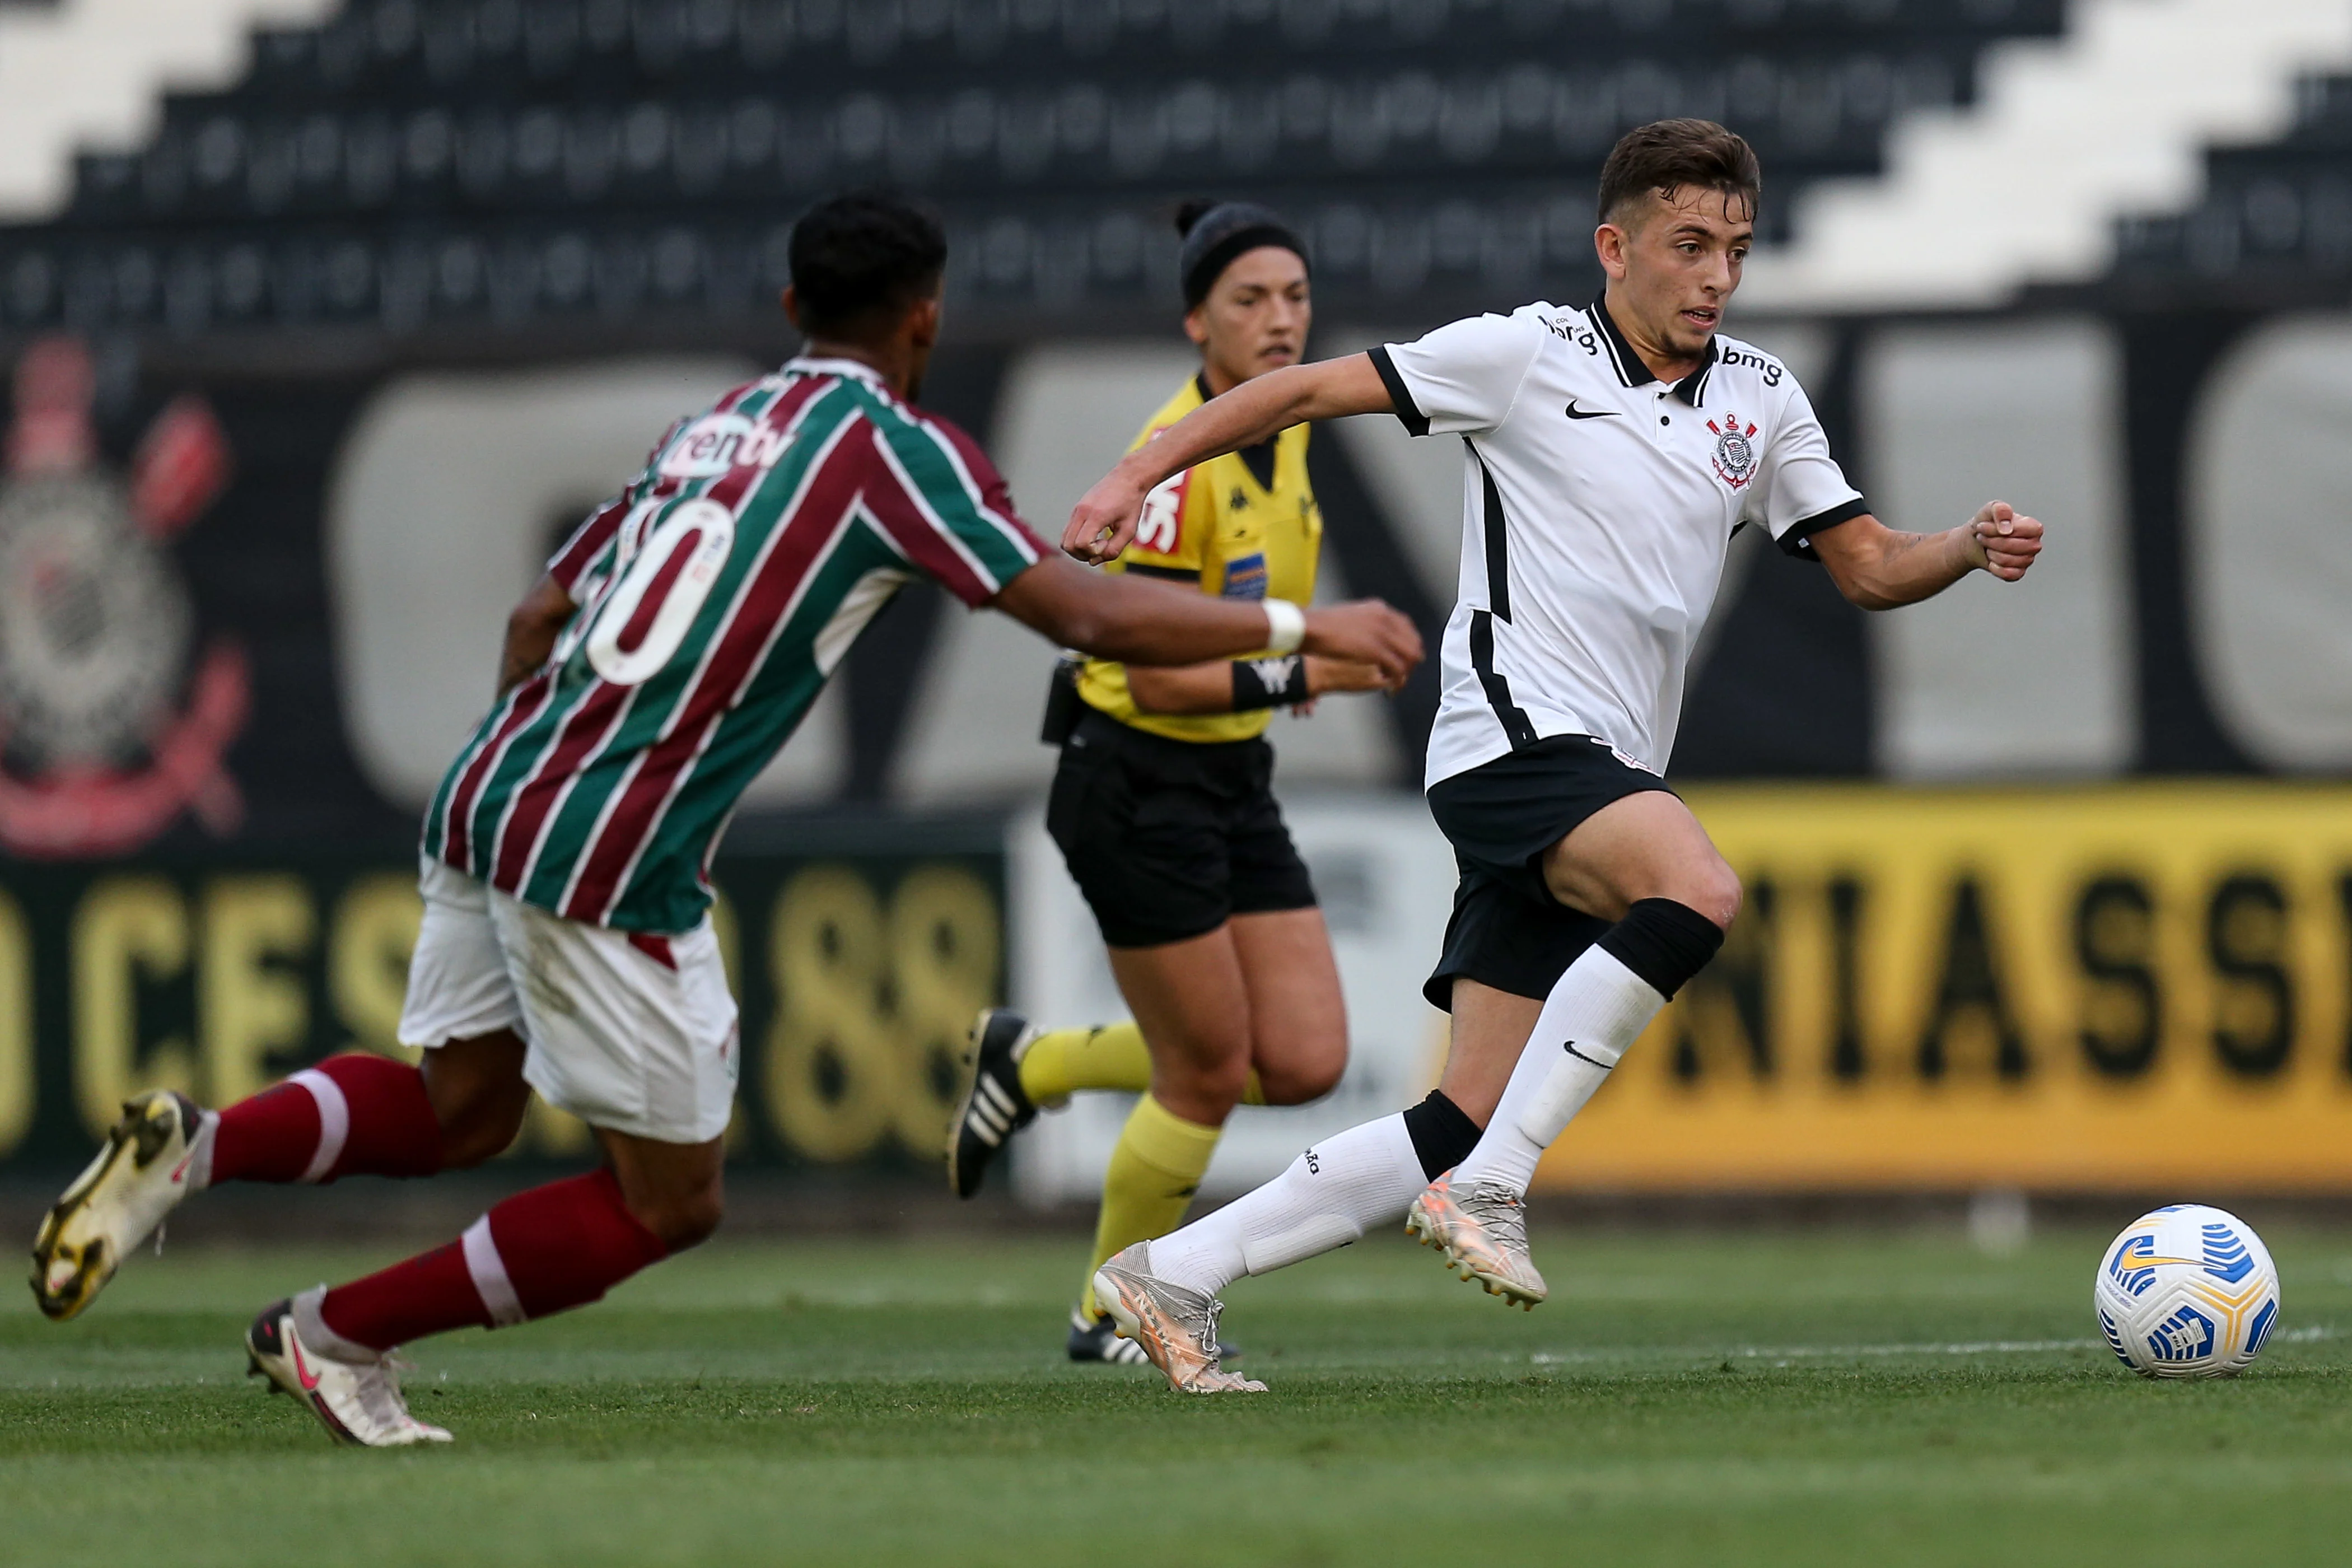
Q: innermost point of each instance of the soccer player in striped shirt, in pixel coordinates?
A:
(673, 645)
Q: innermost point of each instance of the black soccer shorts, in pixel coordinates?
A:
(1169, 839)
(1506, 930)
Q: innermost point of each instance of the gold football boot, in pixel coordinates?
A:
(1483, 1234)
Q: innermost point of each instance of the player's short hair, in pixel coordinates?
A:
(1657, 158)
(860, 259)
(1216, 235)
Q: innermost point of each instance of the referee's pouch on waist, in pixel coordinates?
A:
(1063, 705)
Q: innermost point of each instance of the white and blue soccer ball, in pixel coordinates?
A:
(2187, 1291)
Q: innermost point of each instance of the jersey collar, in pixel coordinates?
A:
(1257, 460)
(1633, 372)
(807, 365)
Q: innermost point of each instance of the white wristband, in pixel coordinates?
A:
(1286, 625)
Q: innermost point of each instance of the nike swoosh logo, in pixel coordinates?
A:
(302, 1373)
(1576, 412)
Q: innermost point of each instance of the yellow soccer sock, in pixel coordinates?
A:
(1154, 1172)
(1108, 1055)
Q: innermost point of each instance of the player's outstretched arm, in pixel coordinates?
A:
(1880, 569)
(532, 631)
(1217, 686)
(1103, 522)
(1137, 621)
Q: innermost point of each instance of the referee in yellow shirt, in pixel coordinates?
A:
(1164, 810)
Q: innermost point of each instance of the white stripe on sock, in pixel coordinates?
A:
(199, 1174)
(334, 1123)
(489, 1272)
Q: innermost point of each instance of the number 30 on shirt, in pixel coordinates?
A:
(645, 615)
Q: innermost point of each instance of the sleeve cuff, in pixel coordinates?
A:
(1796, 539)
(1407, 411)
(1167, 573)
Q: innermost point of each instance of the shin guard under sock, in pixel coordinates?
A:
(1059, 1062)
(1598, 1008)
(1330, 1195)
(539, 1252)
(1153, 1173)
(353, 1114)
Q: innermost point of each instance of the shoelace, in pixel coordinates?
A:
(1500, 1212)
(1205, 1333)
(380, 1394)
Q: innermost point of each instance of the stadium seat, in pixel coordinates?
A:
(411, 161)
(2275, 224)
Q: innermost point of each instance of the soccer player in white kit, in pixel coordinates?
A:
(1609, 455)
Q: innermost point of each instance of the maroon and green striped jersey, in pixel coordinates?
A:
(717, 594)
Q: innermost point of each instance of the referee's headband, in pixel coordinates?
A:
(1214, 236)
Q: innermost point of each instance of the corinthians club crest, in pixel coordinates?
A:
(111, 724)
(1735, 450)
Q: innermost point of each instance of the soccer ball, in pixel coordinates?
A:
(2187, 1291)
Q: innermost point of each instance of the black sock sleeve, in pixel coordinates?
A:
(1443, 1135)
(1663, 941)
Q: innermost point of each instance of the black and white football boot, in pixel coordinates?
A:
(994, 1106)
(358, 1400)
(1094, 1337)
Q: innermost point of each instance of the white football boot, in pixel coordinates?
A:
(154, 1158)
(1176, 1326)
(1483, 1234)
(357, 1402)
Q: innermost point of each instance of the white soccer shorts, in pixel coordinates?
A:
(632, 1033)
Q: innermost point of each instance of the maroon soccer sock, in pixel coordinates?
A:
(351, 1115)
(537, 1253)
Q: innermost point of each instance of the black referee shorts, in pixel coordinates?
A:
(1506, 930)
(1167, 839)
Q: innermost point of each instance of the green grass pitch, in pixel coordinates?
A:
(1829, 1397)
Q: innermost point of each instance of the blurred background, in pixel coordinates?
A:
(323, 319)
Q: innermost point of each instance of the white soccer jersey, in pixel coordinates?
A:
(1598, 502)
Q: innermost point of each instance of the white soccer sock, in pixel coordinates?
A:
(199, 1174)
(1328, 1198)
(1596, 1009)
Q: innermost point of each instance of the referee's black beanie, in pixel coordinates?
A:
(1216, 232)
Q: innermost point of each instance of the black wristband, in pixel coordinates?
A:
(1269, 683)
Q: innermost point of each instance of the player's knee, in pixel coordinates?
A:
(1716, 894)
(1211, 1071)
(1207, 1085)
(685, 1219)
(483, 1129)
(1297, 1082)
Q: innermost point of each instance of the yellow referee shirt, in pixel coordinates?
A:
(1237, 526)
